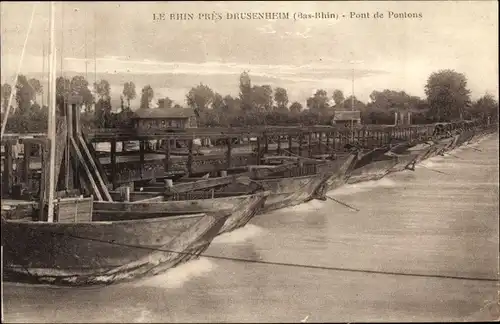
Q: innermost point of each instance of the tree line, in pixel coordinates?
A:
(447, 99)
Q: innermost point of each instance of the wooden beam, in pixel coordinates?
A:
(279, 144)
(68, 170)
(8, 168)
(113, 164)
(190, 157)
(309, 153)
(259, 153)
(320, 143)
(141, 156)
(26, 164)
(166, 163)
(334, 140)
(301, 137)
(266, 143)
(203, 184)
(228, 153)
(327, 134)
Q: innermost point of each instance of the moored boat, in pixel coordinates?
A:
(289, 188)
(103, 252)
(373, 165)
(345, 164)
(61, 243)
(241, 207)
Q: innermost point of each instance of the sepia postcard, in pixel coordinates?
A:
(249, 161)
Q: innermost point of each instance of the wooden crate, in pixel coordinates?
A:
(73, 210)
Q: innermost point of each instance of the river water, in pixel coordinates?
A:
(441, 220)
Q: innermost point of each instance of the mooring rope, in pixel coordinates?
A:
(286, 264)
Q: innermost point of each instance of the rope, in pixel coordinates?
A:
(285, 264)
(342, 203)
(4, 124)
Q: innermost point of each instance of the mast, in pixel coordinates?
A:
(352, 100)
(43, 68)
(51, 133)
(95, 54)
(86, 60)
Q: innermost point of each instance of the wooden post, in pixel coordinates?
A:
(44, 156)
(8, 169)
(320, 142)
(310, 144)
(169, 184)
(190, 157)
(290, 151)
(113, 164)
(70, 166)
(166, 163)
(334, 140)
(279, 144)
(228, 153)
(223, 173)
(266, 143)
(26, 164)
(328, 134)
(301, 136)
(127, 193)
(141, 156)
(259, 156)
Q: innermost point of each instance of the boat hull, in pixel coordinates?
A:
(373, 171)
(338, 173)
(442, 146)
(240, 207)
(242, 215)
(465, 137)
(287, 192)
(404, 162)
(93, 253)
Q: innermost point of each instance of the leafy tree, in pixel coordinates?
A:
(217, 102)
(63, 89)
(318, 102)
(200, 97)
(80, 86)
(281, 98)
(122, 104)
(262, 98)
(231, 105)
(146, 96)
(484, 107)
(338, 97)
(296, 107)
(165, 103)
(103, 113)
(447, 95)
(36, 85)
(5, 93)
(103, 89)
(358, 105)
(245, 92)
(25, 95)
(129, 92)
(389, 100)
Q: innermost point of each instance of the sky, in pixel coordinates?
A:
(300, 55)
